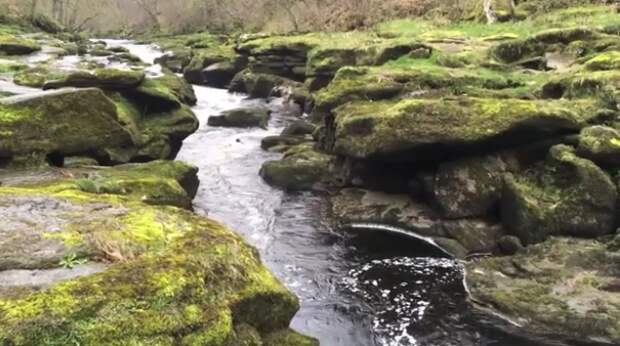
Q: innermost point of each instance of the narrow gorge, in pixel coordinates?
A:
(415, 183)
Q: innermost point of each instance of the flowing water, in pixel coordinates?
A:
(369, 290)
(365, 290)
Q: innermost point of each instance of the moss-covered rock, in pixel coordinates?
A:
(36, 77)
(461, 237)
(66, 122)
(289, 338)
(282, 142)
(175, 60)
(242, 117)
(13, 45)
(100, 78)
(260, 85)
(567, 196)
(157, 182)
(175, 279)
(559, 289)
(536, 45)
(469, 187)
(604, 61)
(178, 86)
(600, 144)
(428, 129)
(224, 64)
(301, 168)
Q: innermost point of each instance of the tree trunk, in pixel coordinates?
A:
(488, 11)
(33, 8)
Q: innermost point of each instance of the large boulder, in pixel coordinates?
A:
(157, 274)
(66, 122)
(157, 133)
(241, 117)
(469, 187)
(430, 129)
(301, 168)
(459, 237)
(567, 196)
(100, 78)
(565, 290)
(177, 86)
(214, 67)
(261, 85)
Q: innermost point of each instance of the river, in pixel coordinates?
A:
(354, 291)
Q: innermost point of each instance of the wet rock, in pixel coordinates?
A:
(66, 122)
(100, 78)
(158, 94)
(469, 187)
(301, 168)
(299, 128)
(219, 68)
(431, 129)
(12, 45)
(462, 236)
(242, 117)
(261, 85)
(282, 141)
(600, 144)
(175, 61)
(220, 74)
(567, 196)
(553, 289)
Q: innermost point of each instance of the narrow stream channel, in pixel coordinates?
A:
(355, 291)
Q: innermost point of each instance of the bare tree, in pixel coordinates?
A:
(489, 12)
(151, 8)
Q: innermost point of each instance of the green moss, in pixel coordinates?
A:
(567, 196)
(604, 61)
(36, 76)
(104, 78)
(8, 66)
(411, 76)
(289, 338)
(182, 280)
(394, 128)
(302, 168)
(13, 45)
(554, 288)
